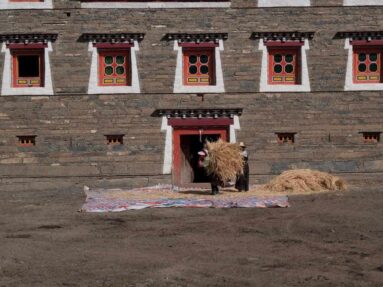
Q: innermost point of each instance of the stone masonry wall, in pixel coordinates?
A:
(70, 126)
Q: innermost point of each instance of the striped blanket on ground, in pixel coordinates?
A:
(114, 200)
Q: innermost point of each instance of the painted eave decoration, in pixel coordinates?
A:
(112, 37)
(28, 38)
(195, 37)
(282, 36)
(198, 113)
(363, 35)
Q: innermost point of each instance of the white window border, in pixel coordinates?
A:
(283, 3)
(6, 4)
(93, 86)
(264, 84)
(168, 149)
(362, 3)
(349, 83)
(179, 86)
(154, 5)
(8, 90)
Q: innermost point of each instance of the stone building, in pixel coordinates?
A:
(121, 93)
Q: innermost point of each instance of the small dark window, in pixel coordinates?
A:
(27, 140)
(285, 138)
(29, 66)
(371, 137)
(114, 139)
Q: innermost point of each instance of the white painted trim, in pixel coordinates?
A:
(179, 87)
(283, 3)
(264, 85)
(6, 4)
(168, 153)
(94, 88)
(349, 83)
(363, 3)
(155, 5)
(8, 90)
(235, 126)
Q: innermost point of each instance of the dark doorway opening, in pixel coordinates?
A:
(190, 146)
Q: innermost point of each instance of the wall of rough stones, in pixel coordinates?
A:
(70, 126)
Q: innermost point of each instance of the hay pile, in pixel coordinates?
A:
(304, 181)
(225, 160)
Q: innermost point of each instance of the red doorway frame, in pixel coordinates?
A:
(182, 131)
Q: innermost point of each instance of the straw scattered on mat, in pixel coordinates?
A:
(305, 181)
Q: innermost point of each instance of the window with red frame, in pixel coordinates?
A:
(199, 65)
(367, 65)
(284, 66)
(28, 67)
(114, 67)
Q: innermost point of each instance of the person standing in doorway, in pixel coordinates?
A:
(242, 183)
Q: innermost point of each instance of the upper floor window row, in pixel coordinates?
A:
(114, 69)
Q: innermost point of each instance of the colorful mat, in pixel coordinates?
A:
(115, 200)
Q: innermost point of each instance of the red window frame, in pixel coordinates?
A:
(371, 137)
(198, 79)
(22, 82)
(286, 138)
(367, 76)
(284, 77)
(114, 79)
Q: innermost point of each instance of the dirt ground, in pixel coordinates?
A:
(321, 240)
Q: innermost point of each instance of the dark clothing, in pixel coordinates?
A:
(242, 183)
(215, 182)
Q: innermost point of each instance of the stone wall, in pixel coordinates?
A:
(70, 126)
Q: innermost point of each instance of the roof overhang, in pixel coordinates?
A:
(282, 36)
(195, 37)
(112, 37)
(28, 38)
(198, 113)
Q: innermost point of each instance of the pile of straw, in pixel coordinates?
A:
(225, 160)
(304, 181)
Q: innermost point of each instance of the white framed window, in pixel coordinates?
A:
(364, 65)
(214, 84)
(283, 3)
(268, 71)
(362, 2)
(26, 4)
(27, 70)
(103, 4)
(101, 80)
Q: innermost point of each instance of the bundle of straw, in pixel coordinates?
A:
(225, 160)
(305, 180)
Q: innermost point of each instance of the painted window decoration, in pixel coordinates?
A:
(28, 68)
(371, 137)
(27, 140)
(199, 66)
(367, 65)
(114, 67)
(286, 138)
(284, 65)
(114, 139)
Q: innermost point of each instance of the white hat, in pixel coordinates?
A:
(242, 144)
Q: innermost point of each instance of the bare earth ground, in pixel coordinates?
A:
(321, 240)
